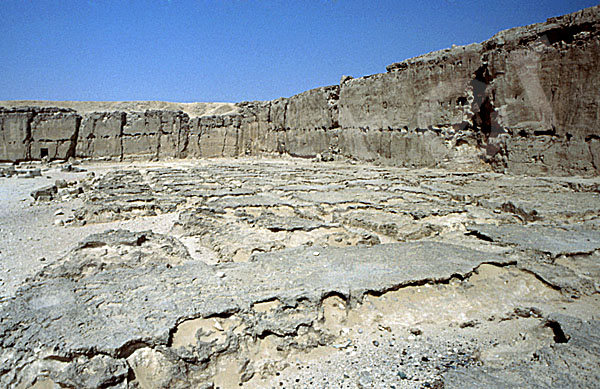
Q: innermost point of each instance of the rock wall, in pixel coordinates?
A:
(525, 101)
(33, 133)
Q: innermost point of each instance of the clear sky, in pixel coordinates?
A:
(231, 50)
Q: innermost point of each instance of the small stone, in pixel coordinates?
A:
(60, 184)
(316, 253)
(470, 323)
(344, 345)
(220, 274)
(45, 193)
(375, 343)
(384, 328)
(59, 212)
(365, 380)
(402, 375)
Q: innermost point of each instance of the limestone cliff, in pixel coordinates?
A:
(526, 100)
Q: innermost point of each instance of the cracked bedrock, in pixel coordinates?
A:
(444, 237)
(298, 273)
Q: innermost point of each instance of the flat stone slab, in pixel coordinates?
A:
(551, 240)
(543, 204)
(276, 223)
(109, 310)
(260, 200)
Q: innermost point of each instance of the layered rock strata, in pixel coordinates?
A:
(525, 100)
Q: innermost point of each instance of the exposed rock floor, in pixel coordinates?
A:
(292, 273)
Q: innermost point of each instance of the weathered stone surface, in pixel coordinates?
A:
(545, 66)
(525, 101)
(284, 257)
(123, 195)
(276, 223)
(552, 240)
(575, 277)
(257, 260)
(68, 317)
(15, 134)
(45, 193)
(100, 135)
(153, 369)
(313, 109)
(212, 136)
(398, 226)
(570, 362)
(118, 249)
(421, 93)
(33, 133)
(54, 133)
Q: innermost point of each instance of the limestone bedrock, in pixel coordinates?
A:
(252, 272)
(524, 101)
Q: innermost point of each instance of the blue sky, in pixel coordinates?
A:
(230, 50)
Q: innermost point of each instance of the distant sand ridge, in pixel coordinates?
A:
(192, 109)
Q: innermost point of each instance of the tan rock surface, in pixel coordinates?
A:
(525, 100)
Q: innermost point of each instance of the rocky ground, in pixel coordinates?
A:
(293, 273)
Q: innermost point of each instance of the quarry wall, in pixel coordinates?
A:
(525, 101)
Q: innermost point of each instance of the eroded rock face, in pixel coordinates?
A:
(524, 101)
(100, 135)
(34, 133)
